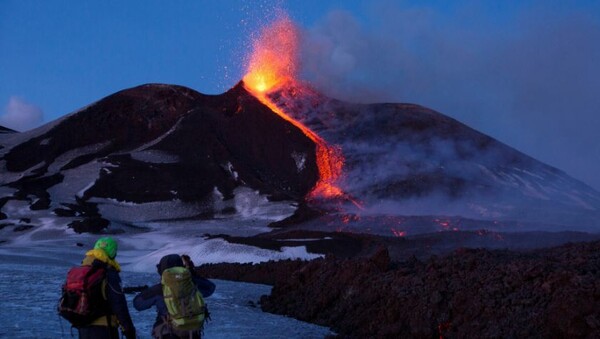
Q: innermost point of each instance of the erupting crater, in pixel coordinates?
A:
(273, 65)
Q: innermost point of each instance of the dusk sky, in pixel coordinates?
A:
(524, 72)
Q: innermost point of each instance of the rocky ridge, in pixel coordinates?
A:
(544, 293)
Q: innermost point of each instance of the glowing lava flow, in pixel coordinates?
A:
(272, 64)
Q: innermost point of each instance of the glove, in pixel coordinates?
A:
(130, 333)
(187, 262)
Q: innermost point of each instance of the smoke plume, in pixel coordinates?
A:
(529, 80)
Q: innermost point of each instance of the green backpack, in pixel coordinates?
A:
(184, 302)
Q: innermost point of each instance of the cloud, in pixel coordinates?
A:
(21, 115)
(528, 79)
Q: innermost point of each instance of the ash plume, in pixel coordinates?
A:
(527, 80)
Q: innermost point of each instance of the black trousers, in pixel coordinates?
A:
(98, 332)
(163, 331)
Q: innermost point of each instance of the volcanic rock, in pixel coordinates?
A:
(156, 143)
(380, 250)
(493, 294)
(167, 152)
(264, 273)
(89, 225)
(203, 133)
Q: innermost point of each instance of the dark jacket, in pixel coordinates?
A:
(153, 296)
(118, 311)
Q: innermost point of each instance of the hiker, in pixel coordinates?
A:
(115, 305)
(154, 296)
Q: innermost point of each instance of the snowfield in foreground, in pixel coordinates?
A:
(30, 292)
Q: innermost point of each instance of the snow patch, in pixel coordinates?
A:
(577, 200)
(82, 192)
(64, 158)
(231, 171)
(300, 160)
(46, 229)
(121, 202)
(531, 174)
(140, 213)
(17, 209)
(75, 180)
(217, 195)
(232, 314)
(529, 190)
(217, 251)
(8, 177)
(159, 139)
(489, 173)
(251, 204)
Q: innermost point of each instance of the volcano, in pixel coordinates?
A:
(4, 130)
(164, 152)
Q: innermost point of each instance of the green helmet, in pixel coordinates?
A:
(108, 245)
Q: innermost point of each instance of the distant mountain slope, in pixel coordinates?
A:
(405, 159)
(171, 139)
(4, 130)
(166, 152)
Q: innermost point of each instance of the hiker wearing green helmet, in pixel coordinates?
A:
(108, 245)
(116, 313)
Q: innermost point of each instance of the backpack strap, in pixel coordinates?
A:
(109, 327)
(86, 277)
(95, 266)
(162, 329)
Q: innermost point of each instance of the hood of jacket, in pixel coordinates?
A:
(168, 261)
(98, 254)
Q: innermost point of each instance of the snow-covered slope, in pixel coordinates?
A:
(233, 307)
(159, 155)
(407, 160)
(165, 151)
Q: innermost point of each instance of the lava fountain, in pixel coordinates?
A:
(272, 65)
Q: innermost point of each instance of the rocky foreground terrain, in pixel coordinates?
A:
(467, 293)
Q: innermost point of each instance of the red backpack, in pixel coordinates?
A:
(83, 299)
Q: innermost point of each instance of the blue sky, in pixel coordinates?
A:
(524, 72)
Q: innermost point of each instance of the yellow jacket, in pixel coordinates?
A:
(98, 254)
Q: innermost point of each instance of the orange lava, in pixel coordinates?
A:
(274, 60)
(273, 64)
(398, 233)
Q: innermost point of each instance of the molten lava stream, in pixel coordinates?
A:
(329, 159)
(271, 65)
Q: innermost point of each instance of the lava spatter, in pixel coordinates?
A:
(272, 64)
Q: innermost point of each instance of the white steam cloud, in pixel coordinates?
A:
(21, 115)
(530, 80)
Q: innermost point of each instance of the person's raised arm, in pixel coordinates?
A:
(147, 298)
